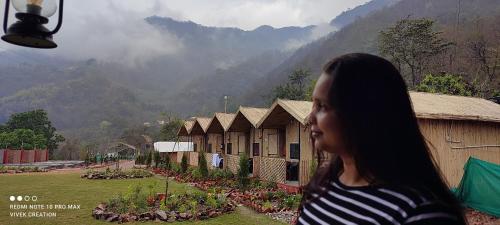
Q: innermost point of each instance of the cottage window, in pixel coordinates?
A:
(210, 148)
(195, 147)
(256, 149)
(294, 151)
(229, 148)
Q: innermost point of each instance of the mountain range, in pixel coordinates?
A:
(214, 62)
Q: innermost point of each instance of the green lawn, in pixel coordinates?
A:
(71, 189)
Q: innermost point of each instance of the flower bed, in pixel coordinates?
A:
(21, 169)
(262, 197)
(139, 206)
(116, 174)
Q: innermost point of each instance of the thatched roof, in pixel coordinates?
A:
(200, 125)
(220, 122)
(448, 107)
(246, 118)
(282, 111)
(185, 128)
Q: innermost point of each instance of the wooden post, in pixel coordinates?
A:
(166, 191)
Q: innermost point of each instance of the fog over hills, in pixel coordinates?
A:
(187, 72)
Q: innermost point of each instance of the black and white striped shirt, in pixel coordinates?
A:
(379, 205)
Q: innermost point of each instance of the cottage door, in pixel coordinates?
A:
(241, 144)
(282, 143)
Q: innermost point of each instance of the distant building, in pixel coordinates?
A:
(173, 149)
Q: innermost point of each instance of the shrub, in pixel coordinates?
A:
(119, 204)
(267, 205)
(211, 201)
(281, 194)
(220, 174)
(202, 164)
(137, 199)
(149, 158)
(166, 163)
(175, 167)
(243, 172)
(184, 163)
(157, 159)
(270, 185)
(289, 201)
(255, 183)
(139, 160)
(196, 174)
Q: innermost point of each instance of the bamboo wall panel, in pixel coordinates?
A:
(270, 143)
(255, 137)
(198, 140)
(256, 166)
(231, 162)
(193, 158)
(242, 143)
(304, 172)
(209, 157)
(233, 137)
(273, 169)
(179, 157)
(216, 141)
(292, 136)
(453, 142)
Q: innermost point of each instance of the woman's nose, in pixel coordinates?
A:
(311, 118)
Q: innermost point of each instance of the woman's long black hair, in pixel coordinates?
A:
(380, 129)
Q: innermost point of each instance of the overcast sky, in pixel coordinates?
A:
(245, 14)
(110, 29)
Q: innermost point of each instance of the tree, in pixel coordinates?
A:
(25, 138)
(487, 57)
(39, 123)
(39, 141)
(166, 163)
(8, 139)
(149, 158)
(184, 163)
(445, 84)
(69, 150)
(243, 172)
(169, 129)
(202, 164)
(157, 158)
(295, 88)
(310, 89)
(410, 44)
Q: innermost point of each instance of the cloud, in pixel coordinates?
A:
(317, 32)
(250, 14)
(110, 31)
(115, 30)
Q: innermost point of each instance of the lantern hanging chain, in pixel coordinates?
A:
(59, 22)
(6, 15)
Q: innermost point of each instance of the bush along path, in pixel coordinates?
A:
(140, 205)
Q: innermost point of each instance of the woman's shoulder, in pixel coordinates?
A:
(424, 208)
(413, 206)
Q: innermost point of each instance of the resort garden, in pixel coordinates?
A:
(222, 190)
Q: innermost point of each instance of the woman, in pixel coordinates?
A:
(383, 172)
